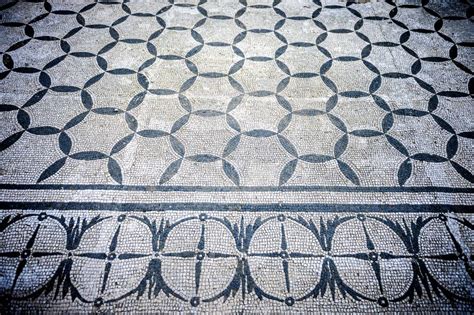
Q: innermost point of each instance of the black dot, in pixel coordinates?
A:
(373, 256)
(195, 301)
(98, 302)
(290, 301)
(382, 301)
(26, 253)
(284, 255)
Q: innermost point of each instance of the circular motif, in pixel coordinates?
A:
(37, 245)
(111, 259)
(282, 266)
(199, 259)
(370, 258)
(444, 257)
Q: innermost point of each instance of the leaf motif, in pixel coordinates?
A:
(86, 99)
(426, 157)
(231, 172)
(170, 171)
(121, 144)
(75, 120)
(65, 88)
(114, 170)
(232, 122)
(380, 102)
(177, 146)
(452, 147)
(150, 133)
(65, 143)
(288, 171)
(236, 67)
(366, 133)
(467, 134)
(397, 145)
(45, 130)
(341, 145)
(404, 172)
(260, 133)
(463, 172)
(179, 123)
(375, 84)
(136, 100)
(89, 155)
(231, 145)
(348, 172)
(416, 67)
(316, 158)
(203, 158)
(6, 143)
(23, 119)
(52, 169)
(287, 145)
(354, 94)
(187, 84)
(284, 122)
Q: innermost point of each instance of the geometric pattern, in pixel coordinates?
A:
(274, 102)
(258, 257)
(233, 155)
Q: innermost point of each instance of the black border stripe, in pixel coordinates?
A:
(151, 188)
(237, 207)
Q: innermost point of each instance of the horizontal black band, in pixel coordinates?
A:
(293, 207)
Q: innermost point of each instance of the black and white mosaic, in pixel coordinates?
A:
(236, 155)
(200, 259)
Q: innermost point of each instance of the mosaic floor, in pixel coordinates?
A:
(236, 156)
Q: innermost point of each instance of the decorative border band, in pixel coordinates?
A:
(239, 207)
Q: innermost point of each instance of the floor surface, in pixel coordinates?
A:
(236, 156)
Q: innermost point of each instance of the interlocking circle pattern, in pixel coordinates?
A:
(258, 38)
